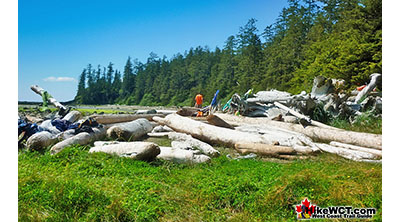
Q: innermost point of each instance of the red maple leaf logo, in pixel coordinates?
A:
(298, 208)
(306, 203)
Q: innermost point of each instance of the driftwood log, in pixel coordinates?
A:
(120, 118)
(81, 139)
(375, 80)
(321, 134)
(40, 140)
(301, 116)
(182, 156)
(72, 116)
(135, 150)
(131, 130)
(359, 148)
(347, 153)
(37, 89)
(194, 143)
(263, 149)
(298, 141)
(209, 133)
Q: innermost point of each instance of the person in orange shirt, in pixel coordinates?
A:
(199, 101)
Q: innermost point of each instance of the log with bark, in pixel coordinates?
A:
(135, 150)
(182, 156)
(120, 118)
(81, 139)
(131, 130)
(321, 134)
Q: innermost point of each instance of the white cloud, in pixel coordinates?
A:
(59, 79)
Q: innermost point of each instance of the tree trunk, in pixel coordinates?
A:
(317, 133)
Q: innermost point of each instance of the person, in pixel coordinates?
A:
(199, 100)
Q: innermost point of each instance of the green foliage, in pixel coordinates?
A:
(75, 185)
(336, 39)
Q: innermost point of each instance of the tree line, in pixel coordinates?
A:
(334, 38)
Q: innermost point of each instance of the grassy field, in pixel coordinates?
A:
(77, 186)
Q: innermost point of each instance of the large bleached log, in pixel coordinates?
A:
(210, 133)
(281, 136)
(182, 156)
(359, 148)
(40, 140)
(37, 89)
(346, 153)
(131, 130)
(120, 118)
(72, 116)
(375, 79)
(81, 139)
(195, 143)
(321, 134)
(263, 149)
(136, 150)
(299, 115)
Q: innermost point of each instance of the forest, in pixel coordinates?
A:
(333, 38)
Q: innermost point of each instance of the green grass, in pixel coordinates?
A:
(366, 122)
(86, 112)
(77, 186)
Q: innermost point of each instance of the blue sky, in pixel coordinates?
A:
(57, 39)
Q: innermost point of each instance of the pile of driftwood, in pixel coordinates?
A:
(193, 140)
(326, 94)
(272, 138)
